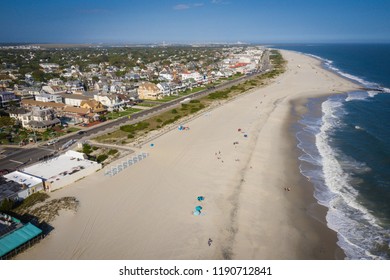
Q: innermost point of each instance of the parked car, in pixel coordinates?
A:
(52, 141)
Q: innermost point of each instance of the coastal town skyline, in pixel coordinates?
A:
(215, 21)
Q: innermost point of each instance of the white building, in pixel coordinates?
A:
(193, 75)
(28, 184)
(44, 97)
(74, 99)
(63, 170)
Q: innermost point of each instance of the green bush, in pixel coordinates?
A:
(6, 205)
(101, 158)
(87, 149)
(32, 200)
(219, 95)
(134, 127)
(112, 152)
(174, 111)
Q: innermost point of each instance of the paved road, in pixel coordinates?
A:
(26, 156)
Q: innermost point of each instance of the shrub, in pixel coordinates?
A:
(112, 152)
(87, 149)
(219, 95)
(32, 200)
(174, 111)
(101, 158)
(6, 205)
(134, 127)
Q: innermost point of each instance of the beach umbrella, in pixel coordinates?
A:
(152, 145)
(198, 208)
(196, 213)
(245, 135)
(200, 198)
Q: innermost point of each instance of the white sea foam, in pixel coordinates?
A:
(330, 171)
(357, 228)
(357, 95)
(372, 93)
(335, 178)
(329, 64)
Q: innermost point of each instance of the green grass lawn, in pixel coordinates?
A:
(181, 94)
(72, 129)
(127, 112)
(146, 104)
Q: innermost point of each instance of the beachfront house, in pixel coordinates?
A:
(147, 90)
(165, 89)
(35, 118)
(76, 115)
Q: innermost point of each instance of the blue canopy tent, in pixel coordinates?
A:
(196, 213)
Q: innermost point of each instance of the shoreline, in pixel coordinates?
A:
(145, 212)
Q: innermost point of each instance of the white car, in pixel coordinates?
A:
(52, 141)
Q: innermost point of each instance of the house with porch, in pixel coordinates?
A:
(147, 90)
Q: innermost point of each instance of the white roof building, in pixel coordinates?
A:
(29, 184)
(63, 170)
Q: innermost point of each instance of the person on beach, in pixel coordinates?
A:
(209, 242)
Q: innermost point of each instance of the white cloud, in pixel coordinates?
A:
(181, 7)
(187, 6)
(219, 2)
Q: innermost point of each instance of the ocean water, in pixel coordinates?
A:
(345, 144)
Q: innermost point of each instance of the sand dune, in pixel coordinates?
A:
(145, 212)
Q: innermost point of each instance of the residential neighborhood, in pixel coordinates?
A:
(43, 88)
(46, 93)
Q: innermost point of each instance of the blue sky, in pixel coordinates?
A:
(181, 21)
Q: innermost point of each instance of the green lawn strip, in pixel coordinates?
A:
(127, 112)
(72, 129)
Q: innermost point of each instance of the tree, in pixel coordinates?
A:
(38, 75)
(6, 205)
(6, 121)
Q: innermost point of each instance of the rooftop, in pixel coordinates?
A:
(42, 104)
(59, 167)
(18, 237)
(23, 178)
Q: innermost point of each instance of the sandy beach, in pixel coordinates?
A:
(145, 212)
